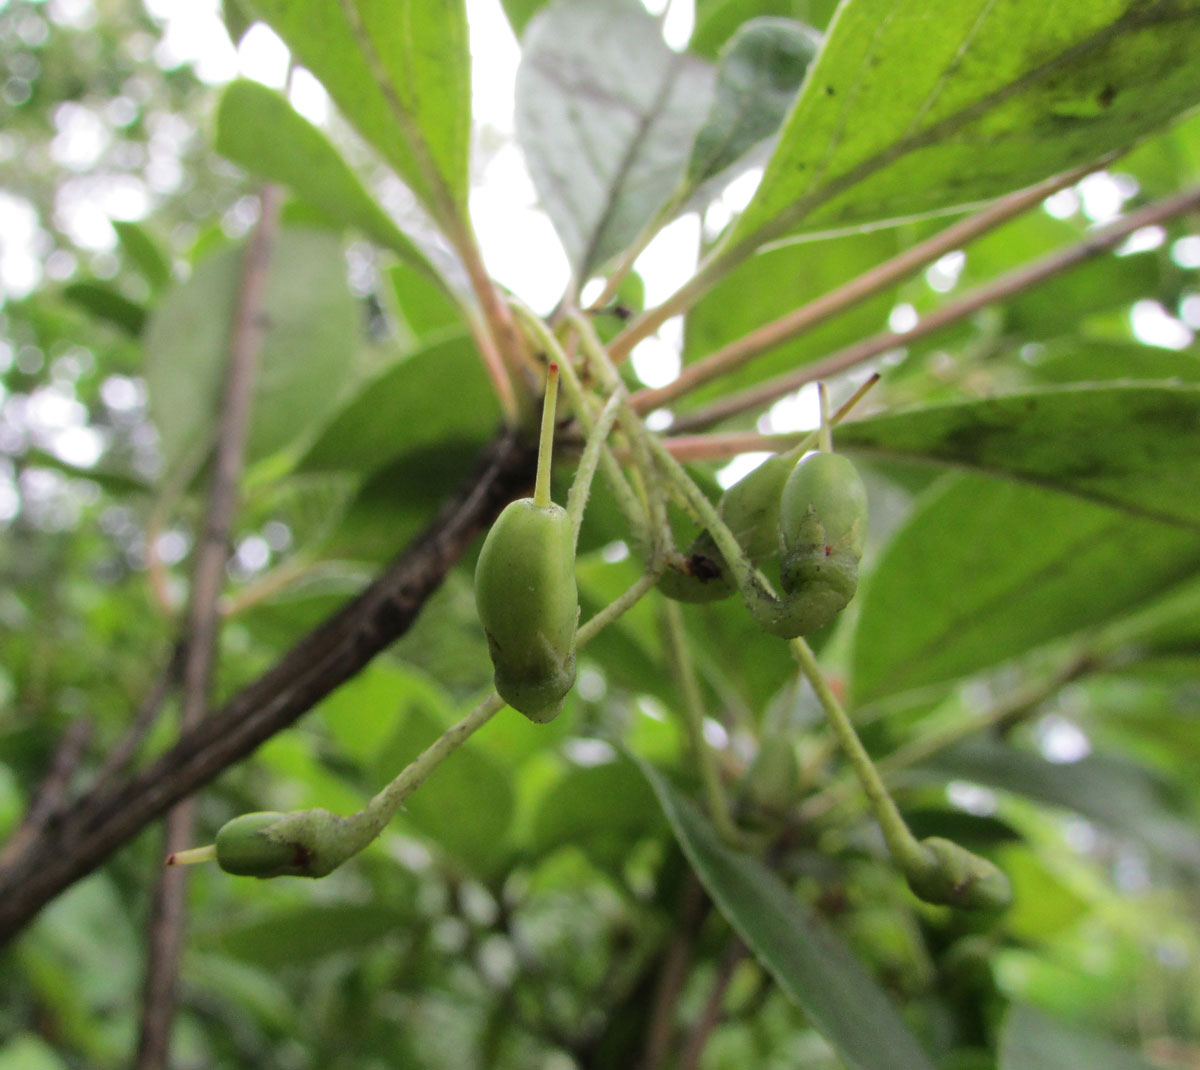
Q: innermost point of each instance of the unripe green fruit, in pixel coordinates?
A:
(302, 843)
(529, 606)
(953, 876)
(751, 510)
(243, 848)
(822, 526)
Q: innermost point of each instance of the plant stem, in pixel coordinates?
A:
(1007, 711)
(585, 471)
(693, 710)
(765, 338)
(1005, 286)
(541, 488)
(825, 432)
(632, 510)
(901, 843)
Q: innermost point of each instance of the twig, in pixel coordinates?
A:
(693, 720)
(673, 973)
(740, 352)
(717, 447)
(247, 333)
(51, 795)
(711, 1015)
(1005, 286)
(110, 814)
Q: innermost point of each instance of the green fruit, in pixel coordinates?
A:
(301, 843)
(750, 508)
(953, 876)
(822, 526)
(245, 849)
(529, 606)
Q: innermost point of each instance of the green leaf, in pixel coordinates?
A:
(810, 963)
(423, 306)
(986, 569)
(604, 809)
(774, 283)
(921, 107)
(1087, 360)
(308, 349)
(1111, 791)
(519, 12)
(439, 397)
(106, 302)
(420, 117)
(1031, 1041)
(606, 116)
(303, 934)
(466, 806)
(718, 20)
(27, 1051)
(1134, 447)
(260, 131)
(760, 70)
(144, 253)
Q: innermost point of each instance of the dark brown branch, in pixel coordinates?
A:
(109, 816)
(169, 910)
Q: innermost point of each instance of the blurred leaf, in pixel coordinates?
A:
(1110, 791)
(606, 116)
(1031, 1041)
(603, 809)
(1075, 360)
(305, 934)
(774, 283)
(423, 305)
(420, 48)
(308, 350)
(760, 70)
(1134, 447)
(260, 131)
(144, 253)
(106, 302)
(718, 20)
(892, 118)
(438, 397)
(985, 569)
(519, 12)
(799, 950)
(29, 1052)
(466, 806)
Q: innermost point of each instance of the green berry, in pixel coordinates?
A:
(953, 876)
(822, 526)
(529, 605)
(750, 508)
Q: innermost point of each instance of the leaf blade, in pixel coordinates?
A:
(891, 117)
(812, 965)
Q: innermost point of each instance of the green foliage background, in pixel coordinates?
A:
(1034, 474)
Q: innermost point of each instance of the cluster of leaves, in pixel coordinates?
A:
(1031, 585)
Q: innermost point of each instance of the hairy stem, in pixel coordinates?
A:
(901, 843)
